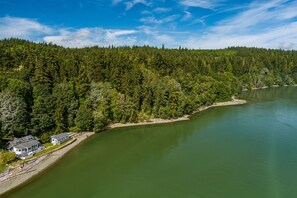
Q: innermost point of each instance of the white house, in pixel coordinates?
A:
(58, 139)
(25, 147)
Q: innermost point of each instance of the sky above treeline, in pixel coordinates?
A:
(206, 24)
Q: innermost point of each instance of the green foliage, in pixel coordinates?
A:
(1, 134)
(6, 157)
(45, 138)
(19, 88)
(2, 167)
(60, 117)
(47, 89)
(41, 116)
(13, 116)
(84, 117)
(74, 129)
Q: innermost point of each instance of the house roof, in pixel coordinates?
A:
(60, 136)
(23, 142)
(27, 138)
(27, 144)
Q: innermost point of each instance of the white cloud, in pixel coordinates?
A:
(153, 20)
(198, 20)
(261, 25)
(187, 16)
(162, 10)
(68, 37)
(131, 4)
(154, 37)
(22, 28)
(270, 24)
(92, 36)
(145, 12)
(208, 4)
(286, 45)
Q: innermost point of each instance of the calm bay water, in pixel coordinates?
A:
(247, 151)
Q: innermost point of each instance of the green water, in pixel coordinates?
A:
(247, 151)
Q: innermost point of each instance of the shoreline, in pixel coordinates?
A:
(43, 162)
(20, 175)
(232, 102)
(267, 87)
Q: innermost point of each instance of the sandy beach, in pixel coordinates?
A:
(19, 175)
(185, 117)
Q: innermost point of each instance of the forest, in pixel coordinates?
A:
(48, 89)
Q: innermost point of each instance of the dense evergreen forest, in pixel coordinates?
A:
(47, 89)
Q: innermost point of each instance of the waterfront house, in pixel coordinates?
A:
(58, 139)
(25, 147)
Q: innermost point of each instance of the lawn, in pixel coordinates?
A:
(48, 147)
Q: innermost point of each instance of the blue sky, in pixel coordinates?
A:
(208, 24)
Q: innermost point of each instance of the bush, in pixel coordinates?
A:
(45, 137)
(98, 127)
(6, 157)
(74, 129)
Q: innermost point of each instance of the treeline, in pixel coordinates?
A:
(46, 89)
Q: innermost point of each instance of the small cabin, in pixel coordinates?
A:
(59, 139)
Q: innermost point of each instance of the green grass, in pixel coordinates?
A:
(2, 167)
(48, 147)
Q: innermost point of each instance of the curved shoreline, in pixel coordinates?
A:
(183, 118)
(22, 175)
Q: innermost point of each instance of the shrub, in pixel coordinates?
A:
(74, 129)
(6, 157)
(45, 137)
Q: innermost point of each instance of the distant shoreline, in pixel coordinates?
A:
(266, 87)
(232, 102)
(183, 118)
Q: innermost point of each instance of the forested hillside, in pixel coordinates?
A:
(46, 89)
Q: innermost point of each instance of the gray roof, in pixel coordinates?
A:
(60, 136)
(27, 144)
(27, 138)
(23, 142)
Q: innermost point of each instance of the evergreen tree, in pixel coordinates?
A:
(60, 118)
(45, 88)
(41, 117)
(84, 117)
